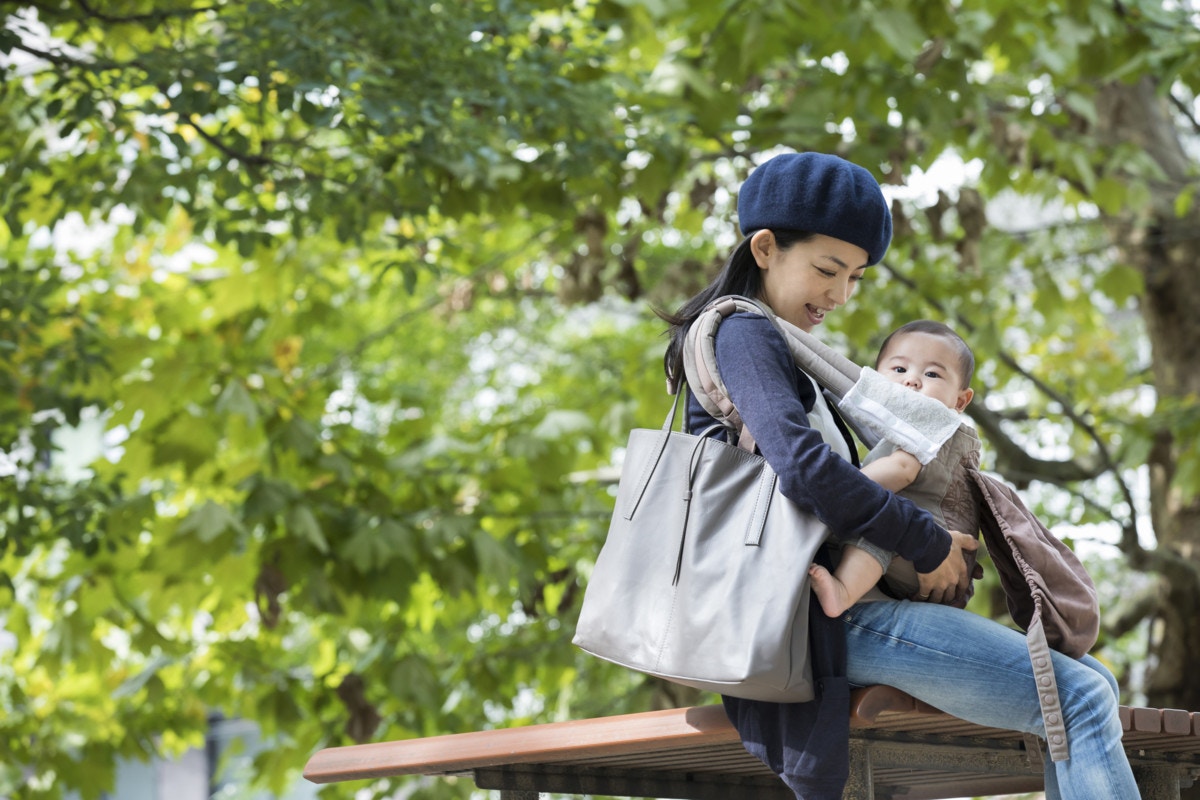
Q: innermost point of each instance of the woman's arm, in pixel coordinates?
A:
(765, 385)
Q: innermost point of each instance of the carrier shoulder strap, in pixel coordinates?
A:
(829, 368)
(700, 363)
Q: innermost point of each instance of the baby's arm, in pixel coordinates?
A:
(894, 471)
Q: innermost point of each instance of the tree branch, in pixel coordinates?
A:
(57, 59)
(1185, 111)
(153, 16)
(60, 59)
(254, 160)
(1128, 526)
(1019, 466)
(1130, 610)
(732, 11)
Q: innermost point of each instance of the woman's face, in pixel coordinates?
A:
(805, 282)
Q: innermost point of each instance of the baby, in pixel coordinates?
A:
(927, 357)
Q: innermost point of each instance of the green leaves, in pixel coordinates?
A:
(208, 522)
(366, 318)
(302, 523)
(900, 30)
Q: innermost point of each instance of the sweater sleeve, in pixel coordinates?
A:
(764, 384)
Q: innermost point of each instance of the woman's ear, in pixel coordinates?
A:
(762, 245)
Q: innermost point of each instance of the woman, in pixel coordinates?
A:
(813, 223)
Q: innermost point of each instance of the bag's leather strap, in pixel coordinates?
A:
(762, 505)
(643, 479)
(651, 464)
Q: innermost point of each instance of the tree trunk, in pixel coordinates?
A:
(1166, 250)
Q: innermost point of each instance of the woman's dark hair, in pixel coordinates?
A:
(740, 276)
(966, 359)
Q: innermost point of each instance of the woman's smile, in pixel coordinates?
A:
(803, 283)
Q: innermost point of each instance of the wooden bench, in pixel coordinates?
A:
(899, 747)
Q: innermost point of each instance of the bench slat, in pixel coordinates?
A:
(1177, 721)
(602, 737)
(698, 751)
(1160, 720)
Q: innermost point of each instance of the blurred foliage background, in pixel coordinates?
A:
(324, 323)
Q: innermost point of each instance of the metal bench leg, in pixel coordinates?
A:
(1158, 782)
(861, 784)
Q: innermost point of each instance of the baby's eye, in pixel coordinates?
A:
(933, 374)
(899, 370)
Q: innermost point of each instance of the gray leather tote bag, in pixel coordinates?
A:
(703, 577)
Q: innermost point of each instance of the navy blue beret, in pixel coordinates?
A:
(817, 193)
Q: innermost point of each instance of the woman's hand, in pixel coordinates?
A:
(950, 580)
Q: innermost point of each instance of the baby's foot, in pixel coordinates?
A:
(831, 593)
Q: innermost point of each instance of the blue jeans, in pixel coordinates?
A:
(979, 670)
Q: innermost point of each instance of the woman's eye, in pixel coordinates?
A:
(826, 273)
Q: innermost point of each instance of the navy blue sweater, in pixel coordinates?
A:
(773, 399)
(807, 744)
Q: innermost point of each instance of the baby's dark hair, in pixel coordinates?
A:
(966, 359)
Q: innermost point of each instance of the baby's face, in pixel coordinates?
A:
(927, 364)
